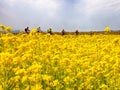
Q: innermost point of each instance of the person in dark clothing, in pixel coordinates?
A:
(76, 32)
(63, 32)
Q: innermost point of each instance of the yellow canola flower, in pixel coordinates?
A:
(37, 87)
(48, 88)
(68, 88)
(103, 86)
(55, 69)
(47, 62)
(24, 78)
(6, 59)
(16, 60)
(35, 68)
(107, 29)
(55, 83)
(1, 87)
(8, 28)
(16, 78)
(46, 77)
(5, 28)
(68, 80)
(21, 72)
(2, 27)
(34, 78)
(33, 31)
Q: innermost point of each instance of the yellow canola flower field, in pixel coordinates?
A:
(54, 62)
(5, 28)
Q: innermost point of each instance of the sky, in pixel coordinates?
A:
(84, 15)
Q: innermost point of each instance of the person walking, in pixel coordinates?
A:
(49, 31)
(27, 31)
(63, 32)
(76, 32)
(39, 30)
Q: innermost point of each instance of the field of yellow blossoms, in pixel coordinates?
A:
(38, 61)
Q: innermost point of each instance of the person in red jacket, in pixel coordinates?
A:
(27, 31)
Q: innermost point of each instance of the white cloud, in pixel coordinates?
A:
(100, 6)
(97, 14)
(49, 6)
(12, 1)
